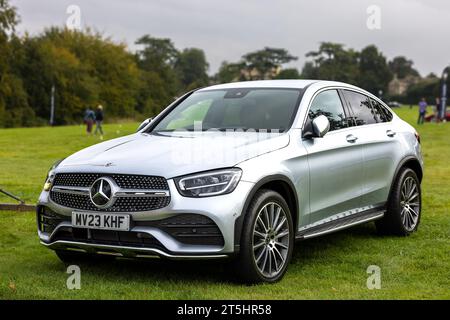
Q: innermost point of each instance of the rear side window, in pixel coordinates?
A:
(383, 114)
(362, 111)
(328, 103)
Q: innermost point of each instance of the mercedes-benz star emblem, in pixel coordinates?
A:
(101, 193)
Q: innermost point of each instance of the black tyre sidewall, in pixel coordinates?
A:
(250, 271)
(394, 208)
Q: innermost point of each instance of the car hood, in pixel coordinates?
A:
(173, 154)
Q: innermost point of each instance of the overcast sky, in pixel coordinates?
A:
(226, 29)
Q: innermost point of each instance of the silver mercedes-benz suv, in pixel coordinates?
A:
(238, 171)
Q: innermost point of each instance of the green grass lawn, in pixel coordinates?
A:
(331, 267)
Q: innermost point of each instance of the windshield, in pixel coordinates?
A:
(246, 109)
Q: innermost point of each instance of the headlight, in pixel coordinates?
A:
(212, 183)
(51, 175)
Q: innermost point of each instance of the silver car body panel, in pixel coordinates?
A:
(172, 154)
(332, 177)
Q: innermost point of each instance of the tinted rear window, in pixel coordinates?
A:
(383, 114)
(360, 105)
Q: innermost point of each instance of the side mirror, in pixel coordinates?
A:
(320, 126)
(316, 128)
(144, 124)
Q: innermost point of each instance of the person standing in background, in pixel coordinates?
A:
(438, 110)
(422, 111)
(99, 121)
(89, 118)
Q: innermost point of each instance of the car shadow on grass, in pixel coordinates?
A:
(356, 237)
(154, 269)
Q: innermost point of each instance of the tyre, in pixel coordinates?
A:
(267, 239)
(68, 256)
(404, 206)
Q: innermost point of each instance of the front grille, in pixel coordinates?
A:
(189, 229)
(82, 201)
(126, 181)
(107, 237)
(123, 204)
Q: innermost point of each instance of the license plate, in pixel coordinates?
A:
(105, 221)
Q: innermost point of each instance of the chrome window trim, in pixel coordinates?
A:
(312, 99)
(368, 94)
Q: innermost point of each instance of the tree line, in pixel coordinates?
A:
(86, 68)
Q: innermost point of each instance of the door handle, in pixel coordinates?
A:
(351, 138)
(390, 133)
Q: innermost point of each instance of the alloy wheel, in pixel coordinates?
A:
(271, 240)
(410, 203)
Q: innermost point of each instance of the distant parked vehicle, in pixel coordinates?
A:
(394, 104)
(432, 117)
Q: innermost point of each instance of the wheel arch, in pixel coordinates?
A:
(279, 183)
(414, 164)
(410, 162)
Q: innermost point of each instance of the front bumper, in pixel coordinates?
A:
(223, 210)
(129, 252)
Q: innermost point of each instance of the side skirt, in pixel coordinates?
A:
(341, 223)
